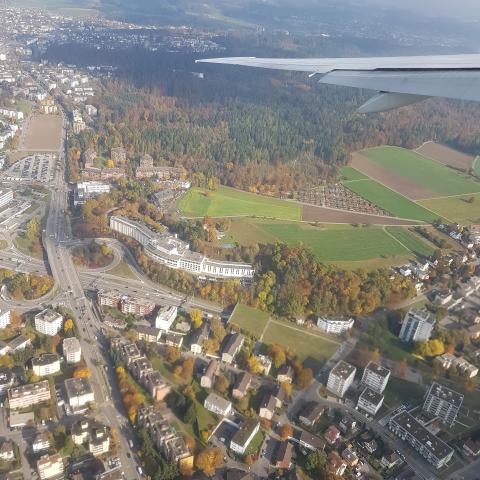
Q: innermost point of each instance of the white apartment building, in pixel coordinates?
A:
(48, 322)
(375, 377)
(46, 364)
(443, 403)
(218, 405)
(174, 253)
(79, 392)
(340, 378)
(165, 317)
(417, 326)
(72, 350)
(6, 196)
(244, 435)
(370, 401)
(83, 191)
(40, 443)
(4, 318)
(335, 326)
(50, 466)
(28, 395)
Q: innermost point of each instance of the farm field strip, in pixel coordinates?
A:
(445, 155)
(422, 171)
(391, 201)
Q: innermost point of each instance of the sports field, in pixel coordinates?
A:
(42, 133)
(249, 319)
(228, 202)
(456, 209)
(412, 241)
(312, 349)
(422, 171)
(390, 201)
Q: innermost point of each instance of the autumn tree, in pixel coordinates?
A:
(172, 354)
(277, 352)
(402, 368)
(82, 372)
(221, 384)
(217, 329)
(187, 368)
(68, 325)
(286, 431)
(254, 365)
(304, 378)
(196, 317)
(209, 460)
(430, 348)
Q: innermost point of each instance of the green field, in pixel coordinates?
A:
(249, 319)
(423, 171)
(412, 241)
(476, 166)
(350, 173)
(334, 243)
(313, 350)
(456, 209)
(228, 202)
(390, 201)
(401, 391)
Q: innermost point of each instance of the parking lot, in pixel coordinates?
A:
(38, 167)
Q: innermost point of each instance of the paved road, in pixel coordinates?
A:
(66, 278)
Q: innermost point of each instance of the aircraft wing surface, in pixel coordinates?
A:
(400, 80)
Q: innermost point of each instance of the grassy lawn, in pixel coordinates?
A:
(350, 173)
(25, 246)
(249, 319)
(456, 209)
(423, 171)
(399, 391)
(312, 349)
(334, 243)
(226, 202)
(122, 270)
(390, 201)
(256, 443)
(205, 419)
(412, 241)
(476, 166)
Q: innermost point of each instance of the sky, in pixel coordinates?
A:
(460, 9)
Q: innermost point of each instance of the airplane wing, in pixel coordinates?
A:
(400, 80)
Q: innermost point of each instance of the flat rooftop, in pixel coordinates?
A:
(378, 369)
(445, 394)
(343, 370)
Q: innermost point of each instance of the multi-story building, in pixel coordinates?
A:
(244, 435)
(147, 333)
(165, 437)
(146, 169)
(4, 318)
(79, 393)
(18, 343)
(375, 377)
(340, 378)
(50, 466)
(7, 379)
(108, 298)
(174, 253)
(28, 395)
(46, 364)
(370, 401)
(417, 326)
(408, 428)
(448, 360)
(166, 315)
(40, 443)
(72, 350)
(335, 326)
(232, 347)
(136, 306)
(199, 336)
(218, 405)
(84, 191)
(49, 322)
(443, 403)
(206, 381)
(97, 436)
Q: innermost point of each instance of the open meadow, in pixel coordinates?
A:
(228, 202)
